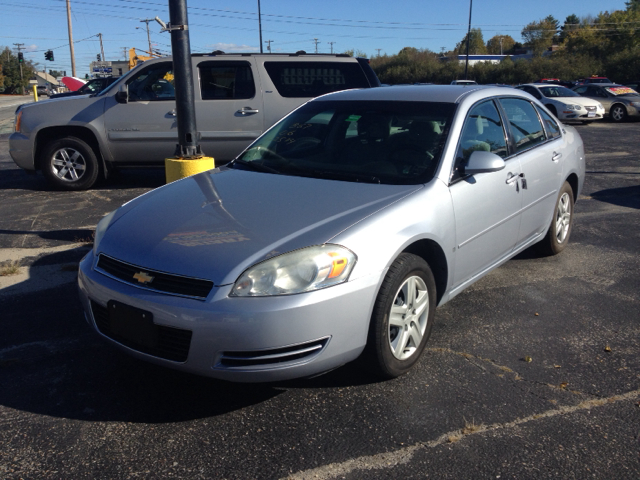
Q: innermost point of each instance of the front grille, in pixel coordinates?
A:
(172, 344)
(161, 282)
(272, 356)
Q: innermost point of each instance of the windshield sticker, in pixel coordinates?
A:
(353, 118)
(620, 90)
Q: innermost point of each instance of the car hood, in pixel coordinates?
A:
(216, 224)
(582, 101)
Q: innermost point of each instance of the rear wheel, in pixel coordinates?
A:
(70, 164)
(618, 113)
(560, 229)
(402, 317)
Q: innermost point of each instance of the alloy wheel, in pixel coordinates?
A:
(563, 217)
(408, 318)
(68, 164)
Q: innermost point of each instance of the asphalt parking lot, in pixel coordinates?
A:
(71, 406)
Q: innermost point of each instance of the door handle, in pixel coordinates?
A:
(556, 157)
(248, 110)
(513, 177)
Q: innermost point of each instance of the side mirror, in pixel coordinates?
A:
(483, 162)
(122, 95)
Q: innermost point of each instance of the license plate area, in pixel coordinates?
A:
(591, 114)
(132, 324)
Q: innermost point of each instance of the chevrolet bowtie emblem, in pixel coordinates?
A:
(143, 277)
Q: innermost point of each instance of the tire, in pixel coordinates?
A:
(69, 164)
(396, 342)
(553, 110)
(559, 231)
(618, 113)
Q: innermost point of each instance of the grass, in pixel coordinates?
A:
(10, 268)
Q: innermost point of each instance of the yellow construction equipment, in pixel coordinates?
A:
(135, 59)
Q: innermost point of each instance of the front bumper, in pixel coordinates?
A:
(21, 151)
(244, 339)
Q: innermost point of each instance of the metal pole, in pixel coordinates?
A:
(466, 63)
(147, 20)
(183, 78)
(260, 25)
(73, 56)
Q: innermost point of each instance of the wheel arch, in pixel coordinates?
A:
(618, 104)
(48, 134)
(432, 253)
(574, 182)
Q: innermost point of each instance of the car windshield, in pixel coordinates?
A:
(555, 92)
(358, 141)
(626, 91)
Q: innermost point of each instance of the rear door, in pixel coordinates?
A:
(539, 151)
(229, 106)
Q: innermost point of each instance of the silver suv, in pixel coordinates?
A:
(133, 121)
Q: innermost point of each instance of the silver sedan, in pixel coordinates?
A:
(335, 235)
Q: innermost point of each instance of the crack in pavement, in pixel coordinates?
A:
(404, 455)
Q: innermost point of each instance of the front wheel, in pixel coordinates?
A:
(70, 164)
(618, 113)
(402, 317)
(560, 229)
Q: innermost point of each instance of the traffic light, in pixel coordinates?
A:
(20, 57)
(98, 57)
(48, 55)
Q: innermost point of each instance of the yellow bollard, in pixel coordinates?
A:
(177, 168)
(35, 93)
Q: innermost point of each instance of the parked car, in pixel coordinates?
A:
(464, 82)
(93, 86)
(43, 90)
(592, 79)
(133, 121)
(335, 234)
(565, 104)
(619, 102)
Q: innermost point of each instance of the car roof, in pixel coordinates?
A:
(421, 93)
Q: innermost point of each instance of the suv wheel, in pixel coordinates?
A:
(69, 164)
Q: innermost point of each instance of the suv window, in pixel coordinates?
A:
(524, 123)
(226, 80)
(153, 83)
(312, 79)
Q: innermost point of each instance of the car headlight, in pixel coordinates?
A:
(573, 107)
(636, 104)
(304, 270)
(18, 121)
(600, 107)
(101, 228)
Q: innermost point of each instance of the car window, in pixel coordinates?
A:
(555, 92)
(226, 80)
(380, 142)
(551, 126)
(524, 123)
(581, 90)
(152, 84)
(483, 130)
(312, 79)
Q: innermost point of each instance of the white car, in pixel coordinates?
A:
(464, 82)
(564, 103)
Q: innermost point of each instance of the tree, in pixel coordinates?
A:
(355, 53)
(539, 35)
(633, 5)
(476, 43)
(11, 72)
(500, 44)
(572, 22)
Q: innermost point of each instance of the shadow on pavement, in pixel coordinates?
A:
(624, 196)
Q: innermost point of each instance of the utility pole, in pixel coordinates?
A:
(101, 47)
(260, 25)
(331, 43)
(466, 64)
(146, 20)
(125, 50)
(73, 56)
(268, 42)
(316, 40)
(19, 45)
(501, 37)
(378, 50)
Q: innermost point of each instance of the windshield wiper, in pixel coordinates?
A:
(255, 166)
(356, 177)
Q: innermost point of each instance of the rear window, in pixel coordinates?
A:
(311, 79)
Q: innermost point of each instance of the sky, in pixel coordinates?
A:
(368, 26)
